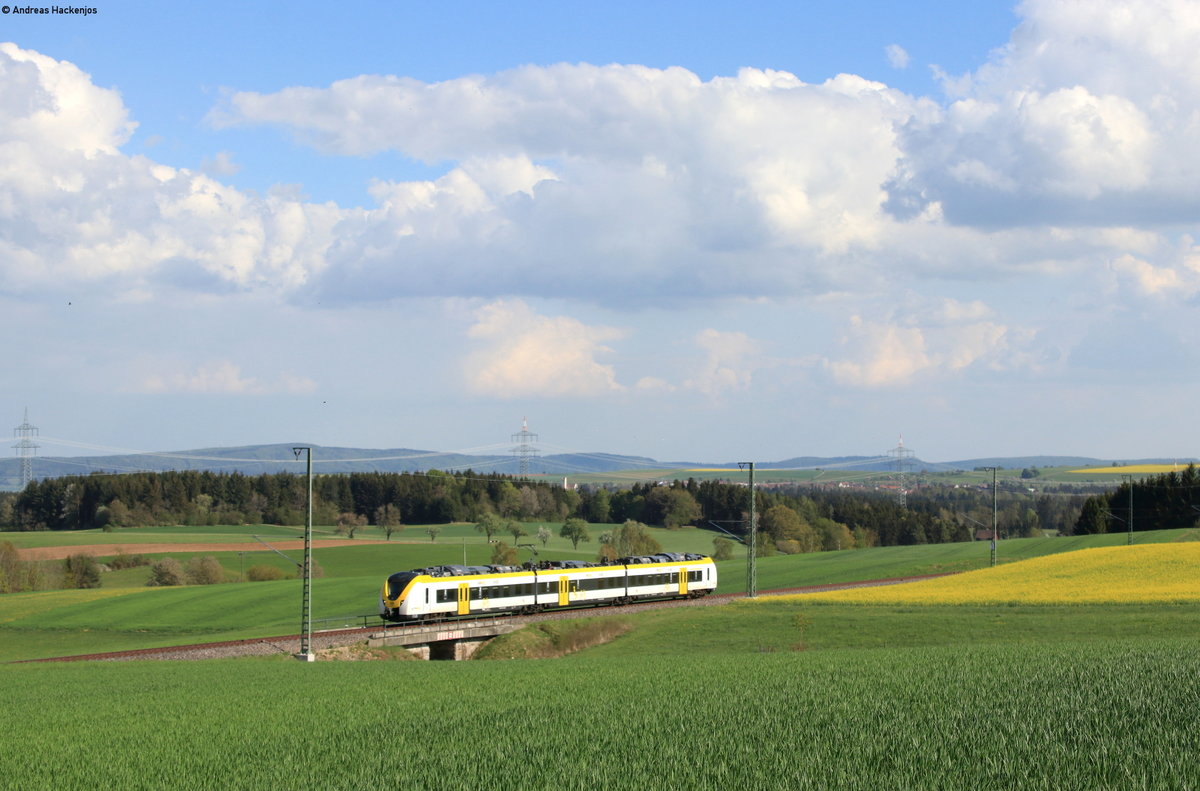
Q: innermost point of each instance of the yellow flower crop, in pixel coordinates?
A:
(1130, 574)
(1135, 469)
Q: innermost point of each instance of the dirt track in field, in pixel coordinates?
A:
(105, 550)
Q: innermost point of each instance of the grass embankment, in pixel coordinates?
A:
(550, 639)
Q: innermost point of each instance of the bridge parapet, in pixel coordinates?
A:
(457, 640)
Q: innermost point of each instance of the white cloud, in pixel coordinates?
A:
(896, 353)
(887, 355)
(221, 164)
(897, 56)
(220, 377)
(631, 187)
(1173, 277)
(654, 384)
(760, 153)
(1087, 116)
(730, 359)
(526, 354)
(77, 210)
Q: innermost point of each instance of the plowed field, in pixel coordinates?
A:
(104, 550)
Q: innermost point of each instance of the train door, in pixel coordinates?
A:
(683, 582)
(464, 598)
(563, 589)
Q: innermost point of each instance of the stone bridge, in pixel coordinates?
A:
(457, 640)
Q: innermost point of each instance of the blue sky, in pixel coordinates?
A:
(692, 231)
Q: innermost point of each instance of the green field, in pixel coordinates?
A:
(1116, 714)
(125, 614)
(788, 694)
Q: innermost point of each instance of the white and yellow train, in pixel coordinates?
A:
(449, 591)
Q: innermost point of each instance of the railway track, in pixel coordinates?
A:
(290, 644)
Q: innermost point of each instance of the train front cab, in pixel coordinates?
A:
(396, 589)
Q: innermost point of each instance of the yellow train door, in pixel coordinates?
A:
(464, 598)
(563, 589)
(683, 575)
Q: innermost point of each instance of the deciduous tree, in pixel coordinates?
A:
(633, 538)
(489, 524)
(387, 517)
(575, 531)
(349, 523)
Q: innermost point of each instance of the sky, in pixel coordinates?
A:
(705, 232)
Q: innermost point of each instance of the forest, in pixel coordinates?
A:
(793, 518)
(1160, 502)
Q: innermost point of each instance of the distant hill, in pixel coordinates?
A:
(1054, 461)
(260, 459)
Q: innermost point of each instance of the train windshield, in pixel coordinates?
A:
(397, 582)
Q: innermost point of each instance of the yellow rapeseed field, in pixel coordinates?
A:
(1133, 469)
(1151, 573)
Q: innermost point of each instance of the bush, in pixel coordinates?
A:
(12, 570)
(124, 561)
(205, 571)
(263, 573)
(722, 549)
(81, 571)
(503, 554)
(166, 572)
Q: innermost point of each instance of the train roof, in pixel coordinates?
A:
(552, 565)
